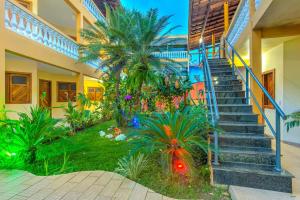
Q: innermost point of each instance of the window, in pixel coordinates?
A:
(268, 79)
(18, 88)
(66, 91)
(25, 3)
(95, 93)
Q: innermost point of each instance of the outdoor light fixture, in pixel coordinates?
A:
(200, 40)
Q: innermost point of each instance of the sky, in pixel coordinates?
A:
(177, 8)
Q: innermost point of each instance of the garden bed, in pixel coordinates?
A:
(87, 151)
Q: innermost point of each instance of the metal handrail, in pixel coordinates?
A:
(211, 100)
(276, 106)
(279, 111)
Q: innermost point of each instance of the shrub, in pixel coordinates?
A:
(132, 166)
(174, 136)
(22, 138)
(293, 121)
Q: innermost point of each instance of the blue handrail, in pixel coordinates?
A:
(211, 100)
(279, 111)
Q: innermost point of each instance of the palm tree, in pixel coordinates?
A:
(150, 31)
(108, 40)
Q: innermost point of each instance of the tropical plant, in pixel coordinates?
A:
(109, 41)
(293, 121)
(174, 136)
(23, 137)
(132, 166)
(73, 117)
(150, 34)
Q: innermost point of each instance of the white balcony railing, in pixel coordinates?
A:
(172, 54)
(21, 21)
(93, 8)
(239, 22)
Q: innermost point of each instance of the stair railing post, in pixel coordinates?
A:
(247, 86)
(278, 145)
(232, 61)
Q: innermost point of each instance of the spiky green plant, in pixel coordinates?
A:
(132, 166)
(23, 137)
(293, 121)
(174, 136)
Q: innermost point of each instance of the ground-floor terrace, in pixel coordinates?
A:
(30, 83)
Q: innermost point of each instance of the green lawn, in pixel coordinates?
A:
(88, 151)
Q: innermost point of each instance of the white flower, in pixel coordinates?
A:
(102, 133)
(109, 136)
(120, 137)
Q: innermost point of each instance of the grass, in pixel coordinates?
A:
(87, 151)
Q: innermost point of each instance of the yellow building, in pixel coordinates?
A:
(38, 53)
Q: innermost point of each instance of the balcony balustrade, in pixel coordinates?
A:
(21, 21)
(172, 54)
(93, 8)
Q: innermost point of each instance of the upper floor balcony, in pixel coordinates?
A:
(56, 31)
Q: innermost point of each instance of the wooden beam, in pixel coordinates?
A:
(280, 31)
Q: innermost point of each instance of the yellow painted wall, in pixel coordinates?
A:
(28, 66)
(58, 107)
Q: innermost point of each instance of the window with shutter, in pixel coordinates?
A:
(268, 79)
(95, 93)
(18, 88)
(66, 91)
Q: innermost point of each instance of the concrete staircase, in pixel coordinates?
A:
(246, 157)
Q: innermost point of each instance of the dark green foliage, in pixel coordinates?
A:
(293, 121)
(22, 138)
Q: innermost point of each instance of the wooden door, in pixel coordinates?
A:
(45, 93)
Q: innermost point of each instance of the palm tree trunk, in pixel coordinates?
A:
(118, 104)
(138, 96)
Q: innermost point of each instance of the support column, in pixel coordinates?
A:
(2, 76)
(79, 26)
(255, 60)
(35, 6)
(256, 66)
(80, 83)
(2, 57)
(226, 17)
(213, 43)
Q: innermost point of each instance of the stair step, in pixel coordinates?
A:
(241, 127)
(230, 93)
(231, 100)
(260, 141)
(222, 73)
(224, 78)
(239, 117)
(248, 166)
(233, 87)
(257, 157)
(226, 82)
(255, 178)
(245, 108)
(244, 148)
(220, 69)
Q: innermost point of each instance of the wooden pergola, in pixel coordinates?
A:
(112, 3)
(206, 19)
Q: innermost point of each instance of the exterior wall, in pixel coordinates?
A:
(285, 59)
(291, 86)
(273, 59)
(28, 66)
(57, 107)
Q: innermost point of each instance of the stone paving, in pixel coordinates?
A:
(93, 185)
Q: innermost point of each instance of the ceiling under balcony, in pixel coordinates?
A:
(214, 22)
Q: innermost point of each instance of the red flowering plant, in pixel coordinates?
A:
(174, 136)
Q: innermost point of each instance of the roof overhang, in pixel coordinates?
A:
(207, 17)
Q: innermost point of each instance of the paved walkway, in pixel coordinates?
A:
(96, 185)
